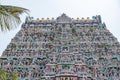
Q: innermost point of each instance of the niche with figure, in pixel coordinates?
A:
(65, 49)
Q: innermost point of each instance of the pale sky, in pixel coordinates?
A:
(108, 9)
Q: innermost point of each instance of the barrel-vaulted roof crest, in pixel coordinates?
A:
(63, 19)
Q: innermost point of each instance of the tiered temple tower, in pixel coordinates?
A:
(63, 49)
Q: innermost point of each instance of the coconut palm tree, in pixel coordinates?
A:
(12, 76)
(10, 16)
(2, 74)
(7, 76)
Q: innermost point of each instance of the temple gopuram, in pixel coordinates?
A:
(63, 49)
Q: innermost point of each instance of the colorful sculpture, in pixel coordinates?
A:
(63, 49)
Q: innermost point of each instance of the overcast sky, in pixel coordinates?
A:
(108, 9)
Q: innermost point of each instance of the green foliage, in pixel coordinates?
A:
(12, 76)
(2, 74)
(7, 76)
(10, 16)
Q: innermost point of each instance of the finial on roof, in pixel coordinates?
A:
(63, 14)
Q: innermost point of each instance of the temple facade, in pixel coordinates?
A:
(63, 49)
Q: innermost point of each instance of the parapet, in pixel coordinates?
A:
(64, 19)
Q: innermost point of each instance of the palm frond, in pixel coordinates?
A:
(2, 74)
(10, 16)
(12, 76)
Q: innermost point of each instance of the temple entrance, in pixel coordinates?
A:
(65, 49)
(66, 77)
